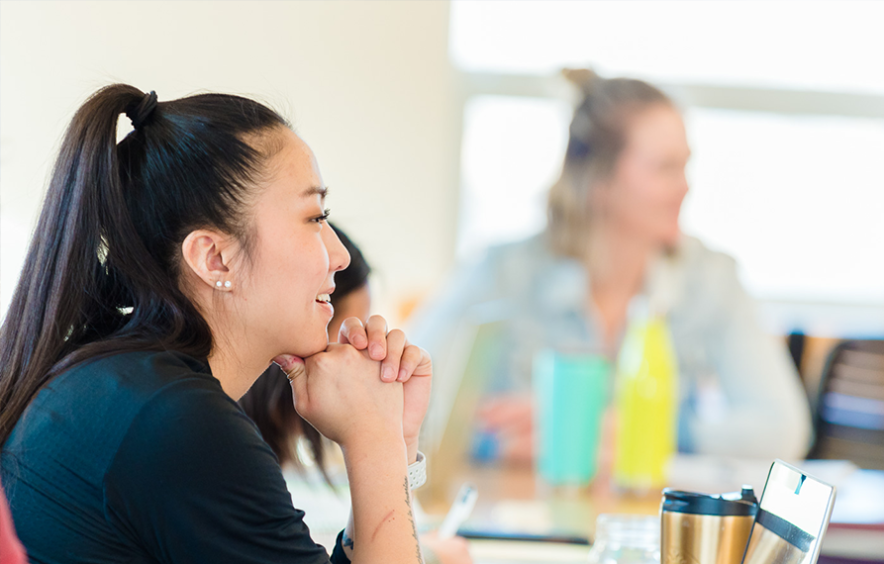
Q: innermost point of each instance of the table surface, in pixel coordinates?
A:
(512, 499)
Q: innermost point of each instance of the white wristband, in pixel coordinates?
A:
(417, 472)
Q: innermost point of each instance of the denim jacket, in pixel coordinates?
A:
(740, 394)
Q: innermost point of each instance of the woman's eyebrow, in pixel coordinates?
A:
(320, 191)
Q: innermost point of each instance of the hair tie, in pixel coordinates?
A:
(142, 111)
(577, 149)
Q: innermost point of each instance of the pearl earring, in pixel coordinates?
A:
(227, 284)
(218, 284)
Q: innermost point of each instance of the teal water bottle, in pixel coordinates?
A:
(571, 392)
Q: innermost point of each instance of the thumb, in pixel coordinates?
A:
(295, 370)
(288, 362)
(298, 379)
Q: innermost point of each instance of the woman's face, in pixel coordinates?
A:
(295, 254)
(644, 195)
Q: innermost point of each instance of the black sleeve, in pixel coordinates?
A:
(338, 555)
(194, 482)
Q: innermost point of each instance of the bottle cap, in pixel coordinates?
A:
(742, 503)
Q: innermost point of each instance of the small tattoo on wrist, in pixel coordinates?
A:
(420, 557)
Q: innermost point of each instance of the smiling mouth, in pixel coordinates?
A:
(323, 298)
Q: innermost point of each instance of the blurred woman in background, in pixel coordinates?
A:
(613, 234)
(269, 401)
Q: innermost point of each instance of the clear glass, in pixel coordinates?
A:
(626, 539)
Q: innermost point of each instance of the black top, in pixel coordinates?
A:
(142, 457)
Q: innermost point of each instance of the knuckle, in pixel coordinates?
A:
(354, 355)
(322, 361)
(397, 334)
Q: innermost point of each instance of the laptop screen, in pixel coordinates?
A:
(792, 518)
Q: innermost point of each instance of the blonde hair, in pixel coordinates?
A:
(596, 139)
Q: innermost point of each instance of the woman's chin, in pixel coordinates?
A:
(319, 346)
(670, 238)
(314, 346)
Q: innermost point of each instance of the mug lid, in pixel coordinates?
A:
(742, 503)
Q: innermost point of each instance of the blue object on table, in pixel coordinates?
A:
(571, 392)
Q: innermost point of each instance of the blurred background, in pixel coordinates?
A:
(439, 126)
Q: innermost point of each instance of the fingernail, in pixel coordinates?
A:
(290, 363)
(388, 374)
(402, 374)
(377, 351)
(283, 361)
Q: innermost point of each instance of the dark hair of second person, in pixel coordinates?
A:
(269, 401)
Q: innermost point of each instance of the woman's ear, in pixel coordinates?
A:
(208, 255)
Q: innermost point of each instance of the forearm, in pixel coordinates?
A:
(381, 527)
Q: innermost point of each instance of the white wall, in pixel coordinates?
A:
(367, 84)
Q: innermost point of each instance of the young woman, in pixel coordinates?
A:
(165, 273)
(613, 233)
(269, 401)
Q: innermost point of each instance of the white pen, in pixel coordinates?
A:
(459, 512)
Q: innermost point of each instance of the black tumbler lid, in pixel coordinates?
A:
(742, 503)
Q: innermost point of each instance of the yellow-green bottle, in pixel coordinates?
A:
(646, 400)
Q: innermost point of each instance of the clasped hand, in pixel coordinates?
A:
(373, 381)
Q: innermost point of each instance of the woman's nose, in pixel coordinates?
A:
(338, 257)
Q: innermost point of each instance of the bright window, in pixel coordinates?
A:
(797, 200)
(833, 46)
(511, 153)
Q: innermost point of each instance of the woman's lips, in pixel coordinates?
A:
(324, 300)
(327, 306)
